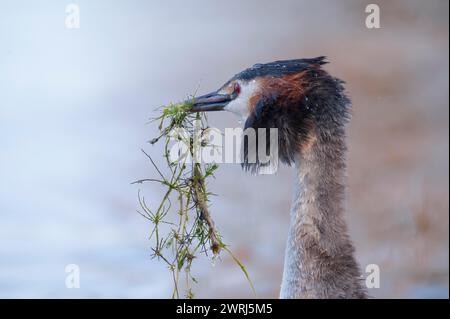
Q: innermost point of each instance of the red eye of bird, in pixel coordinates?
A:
(237, 88)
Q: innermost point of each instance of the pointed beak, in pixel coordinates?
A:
(210, 102)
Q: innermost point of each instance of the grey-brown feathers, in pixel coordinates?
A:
(310, 110)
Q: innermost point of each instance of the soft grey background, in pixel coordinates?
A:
(73, 107)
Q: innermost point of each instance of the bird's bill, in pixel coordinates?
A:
(210, 102)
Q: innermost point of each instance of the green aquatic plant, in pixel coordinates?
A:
(182, 226)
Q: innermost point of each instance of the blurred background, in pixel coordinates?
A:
(73, 108)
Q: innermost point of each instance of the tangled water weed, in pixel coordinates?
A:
(182, 226)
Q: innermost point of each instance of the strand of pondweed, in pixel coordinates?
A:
(193, 232)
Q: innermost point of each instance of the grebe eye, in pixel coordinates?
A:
(237, 88)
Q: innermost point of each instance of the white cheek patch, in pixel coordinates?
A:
(240, 105)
